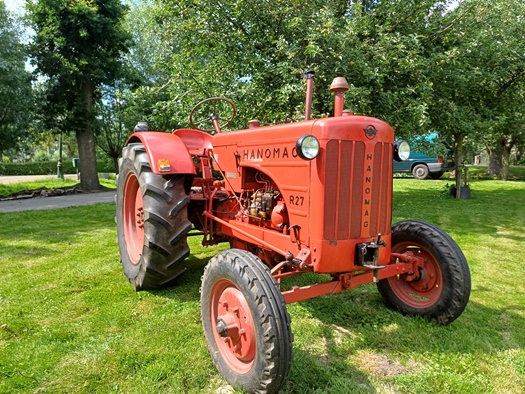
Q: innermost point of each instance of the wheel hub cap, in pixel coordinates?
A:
(235, 332)
(423, 289)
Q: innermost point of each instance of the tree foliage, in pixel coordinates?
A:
(451, 67)
(15, 83)
(257, 54)
(477, 86)
(423, 66)
(116, 118)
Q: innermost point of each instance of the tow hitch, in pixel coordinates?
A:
(367, 255)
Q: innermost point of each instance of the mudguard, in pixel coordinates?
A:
(167, 153)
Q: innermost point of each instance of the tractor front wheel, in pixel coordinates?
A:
(152, 221)
(245, 322)
(442, 288)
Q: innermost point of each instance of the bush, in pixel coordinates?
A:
(42, 156)
(106, 165)
(48, 168)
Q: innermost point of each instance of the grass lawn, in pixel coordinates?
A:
(71, 323)
(516, 173)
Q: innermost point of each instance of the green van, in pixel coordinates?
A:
(423, 166)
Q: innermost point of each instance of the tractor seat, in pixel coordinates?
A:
(197, 142)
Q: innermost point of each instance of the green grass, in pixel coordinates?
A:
(75, 325)
(516, 173)
(12, 188)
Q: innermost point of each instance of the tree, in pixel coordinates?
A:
(256, 55)
(477, 86)
(115, 121)
(77, 47)
(15, 84)
(421, 66)
(506, 131)
(503, 66)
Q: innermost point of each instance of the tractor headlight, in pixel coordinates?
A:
(307, 147)
(401, 150)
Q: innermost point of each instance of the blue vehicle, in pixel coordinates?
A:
(423, 166)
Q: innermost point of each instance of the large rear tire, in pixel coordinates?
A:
(152, 221)
(245, 322)
(442, 291)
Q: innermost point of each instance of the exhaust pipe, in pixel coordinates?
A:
(309, 76)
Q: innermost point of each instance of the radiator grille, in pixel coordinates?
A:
(346, 180)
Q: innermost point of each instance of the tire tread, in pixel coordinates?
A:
(271, 314)
(454, 269)
(165, 245)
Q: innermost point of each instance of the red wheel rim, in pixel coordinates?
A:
(426, 290)
(230, 310)
(133, 214)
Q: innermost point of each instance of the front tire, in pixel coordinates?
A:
(442, 291)
(152, 221)
(245, 322)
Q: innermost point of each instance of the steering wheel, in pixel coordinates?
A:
(207, 111)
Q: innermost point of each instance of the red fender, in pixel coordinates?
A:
(166, 152)
(196, 141)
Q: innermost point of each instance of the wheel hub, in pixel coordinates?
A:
(422, 287)
(427, 279)
(234, 325)
(222, 328)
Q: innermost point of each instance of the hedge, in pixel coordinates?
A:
(48, 168)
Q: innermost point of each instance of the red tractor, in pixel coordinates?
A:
(311, 196)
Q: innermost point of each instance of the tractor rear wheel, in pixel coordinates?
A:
(152, 221)
(442, 290)
(245, 322)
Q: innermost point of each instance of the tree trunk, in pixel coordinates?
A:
(86, 146)
(458, 158)
(507, 149)
(495, 163)
(518, 153)
(495, 160)
(88, 160)
(505, 161)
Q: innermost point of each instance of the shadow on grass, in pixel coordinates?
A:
(186, 287)
(312, 374)
(309, 374)
(370, 325)
(356, 325)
